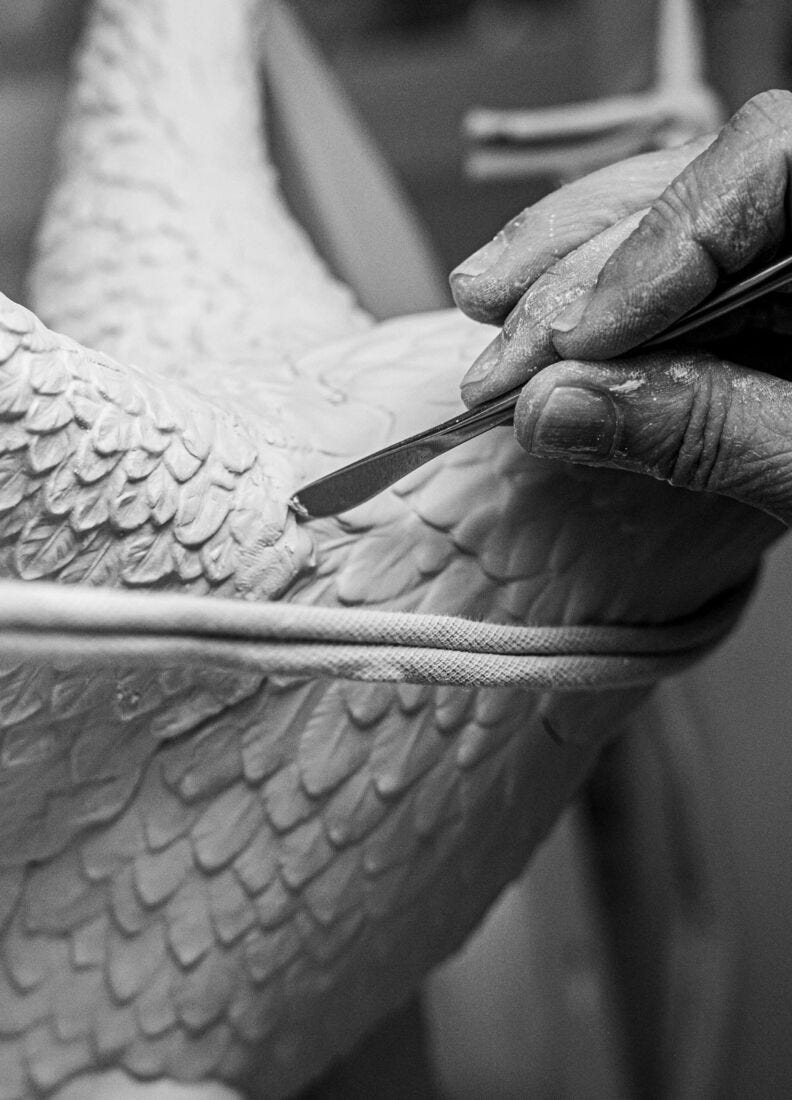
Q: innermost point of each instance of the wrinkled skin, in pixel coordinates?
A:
(208, 877)
(698, 418)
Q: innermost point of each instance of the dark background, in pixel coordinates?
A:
(412, 68)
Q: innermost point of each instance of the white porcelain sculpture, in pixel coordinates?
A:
(207, 875)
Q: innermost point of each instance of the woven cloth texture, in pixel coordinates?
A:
(60, 624)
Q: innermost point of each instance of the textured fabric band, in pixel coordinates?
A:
(59, 624)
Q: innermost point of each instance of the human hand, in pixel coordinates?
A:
(586, 282)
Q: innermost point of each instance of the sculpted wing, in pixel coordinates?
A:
(108, 476)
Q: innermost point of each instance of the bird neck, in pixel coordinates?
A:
(186, 70)
(166, 242)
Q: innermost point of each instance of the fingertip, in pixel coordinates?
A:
(480, 262)
(480, 382)
(576, 343)
(597, 328)
(483, 298)
(568, 414)
(471, 395)
(524, 417)
(571, 315)
(532, 397)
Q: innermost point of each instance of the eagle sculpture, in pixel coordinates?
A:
(208, 874)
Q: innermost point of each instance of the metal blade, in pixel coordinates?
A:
(358, 482)
(361, 480)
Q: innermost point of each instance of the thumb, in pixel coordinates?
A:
(692, 420)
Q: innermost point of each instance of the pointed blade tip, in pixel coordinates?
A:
(296, 505)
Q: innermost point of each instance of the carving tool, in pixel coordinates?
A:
(359, 481)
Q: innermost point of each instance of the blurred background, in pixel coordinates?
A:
(412, 71)
(648, 951)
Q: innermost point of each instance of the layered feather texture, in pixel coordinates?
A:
(206, 875)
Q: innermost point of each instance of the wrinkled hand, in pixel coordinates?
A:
(590, 272)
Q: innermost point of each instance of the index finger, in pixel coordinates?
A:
(726, 209)
(489, 283)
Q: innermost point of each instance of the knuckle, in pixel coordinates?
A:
(697, 456)
(772, 104)
(672, 212)
(665, 212)
(767, 111)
